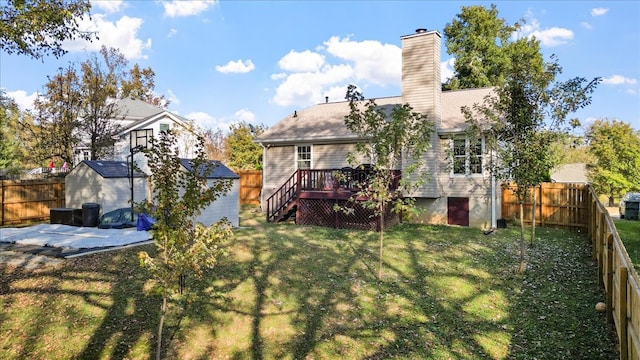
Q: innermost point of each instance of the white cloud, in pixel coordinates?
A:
(373, 61)
(553, 36)
(599, 11)
(307, 88)
(177, 8)
(172, 33)
(619, 80)
(109, 6)
(446, 70)
(308, 77)
(586, 25)
(244, 115)
(121, 35)
(171, 96)
(204, 120)
(301, 61)
(278, 76)
(236, 67)
(24, 100)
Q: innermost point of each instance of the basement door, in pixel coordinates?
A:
(458, 211)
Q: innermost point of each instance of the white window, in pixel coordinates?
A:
(164, 127)
(303, 157)
(467, 156)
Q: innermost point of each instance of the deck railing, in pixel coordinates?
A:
(343, 179)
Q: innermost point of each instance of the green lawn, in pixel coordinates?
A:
(629, 231)
(292, 292)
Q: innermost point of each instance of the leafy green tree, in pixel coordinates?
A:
(10, 154)
(394, 137)
(56, 119)
(615, 147)
(477, 38)
(182, 245)
(525, 116)
(98, 90)
(140, 84)
(240, 149)
(39, 27)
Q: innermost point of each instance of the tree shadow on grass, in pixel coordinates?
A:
(92, 306)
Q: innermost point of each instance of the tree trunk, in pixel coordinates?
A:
(522, 241)
(381, 238)
(533, 217)
(163, 312)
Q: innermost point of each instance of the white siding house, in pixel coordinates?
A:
(103, 182)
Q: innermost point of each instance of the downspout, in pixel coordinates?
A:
(494, 221)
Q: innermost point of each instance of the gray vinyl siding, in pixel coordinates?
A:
(280, 163)
(334, 156)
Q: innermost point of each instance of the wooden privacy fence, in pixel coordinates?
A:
(617, 274)
(30, 200)
(557, 204)
(250, 186)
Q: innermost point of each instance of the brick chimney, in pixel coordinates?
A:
(421, 86)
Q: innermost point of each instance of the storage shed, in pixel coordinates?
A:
(103, 182)
(225, 206)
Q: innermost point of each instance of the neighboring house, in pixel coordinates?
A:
(137, 119)
(461, 190)
(107, 183)
(226, 206)
(570, 173)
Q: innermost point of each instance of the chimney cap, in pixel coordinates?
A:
(421, 30)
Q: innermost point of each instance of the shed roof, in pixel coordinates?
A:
(112, 169)
(220, 171)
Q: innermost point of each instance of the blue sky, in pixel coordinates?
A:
(219, 62)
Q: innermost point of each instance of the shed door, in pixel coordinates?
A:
(458, 211)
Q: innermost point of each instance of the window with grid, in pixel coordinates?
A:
(303, 157)
(164, 127)
(466, 156)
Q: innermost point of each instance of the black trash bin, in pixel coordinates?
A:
(90, 214)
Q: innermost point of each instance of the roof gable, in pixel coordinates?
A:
(220, 171)
(112, 169)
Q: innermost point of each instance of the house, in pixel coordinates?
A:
(461, 190)
(107, 183)
(226, 206)
(570, 173)
(140, 121)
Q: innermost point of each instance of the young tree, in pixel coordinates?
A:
(525, 116)
(392, 137)
(99, 90)
(615, 147)
(183, 246)
(39, 27)
(240, 149)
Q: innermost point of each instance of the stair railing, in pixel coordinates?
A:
(282, 197)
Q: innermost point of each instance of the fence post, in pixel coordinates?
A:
(609, 278)
(622, 313)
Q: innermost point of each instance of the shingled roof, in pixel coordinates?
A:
(112, 169)
(220, 171)
(325, 122)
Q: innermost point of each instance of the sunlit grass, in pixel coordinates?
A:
(292, 292)
(629, 231)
